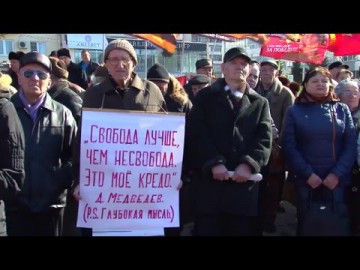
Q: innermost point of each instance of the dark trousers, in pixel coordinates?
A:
(26, 223)
(70, 217)
(223, 224)
(271, 195)
(2, 219)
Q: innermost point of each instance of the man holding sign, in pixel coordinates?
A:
(123, 89)
(230, 130)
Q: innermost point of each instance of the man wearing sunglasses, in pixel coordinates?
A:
(49, 129)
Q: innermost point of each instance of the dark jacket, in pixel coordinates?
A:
(63, 94)
(76, 75)
(48, 154)
(12, 146)
(90, 69)
(14, 78)
(219, 135)
(307, 141)
(176, 98)
(142, 95)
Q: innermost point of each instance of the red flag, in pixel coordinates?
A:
(344, 44)
(167, 42)
(291, 37)
(310, 49)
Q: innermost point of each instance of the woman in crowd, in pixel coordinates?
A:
(318, 141)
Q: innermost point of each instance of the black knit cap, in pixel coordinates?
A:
(199, 79)
(16, 55)
(63, 52)
(35, 58)
(158, 73)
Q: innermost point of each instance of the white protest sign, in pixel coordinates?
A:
(130, 168)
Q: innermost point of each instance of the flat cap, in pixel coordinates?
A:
(236, 52)
(35, 58)
(199, 79)
(270, 63)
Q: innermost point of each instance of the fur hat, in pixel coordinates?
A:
(122, 44)
(16, 55)
(59, 68)
(63, 52)
(158, 73)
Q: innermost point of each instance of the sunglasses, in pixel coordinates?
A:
(31, 73)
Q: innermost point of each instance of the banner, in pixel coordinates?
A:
(130, 170)
(344, 44)
(310, 49)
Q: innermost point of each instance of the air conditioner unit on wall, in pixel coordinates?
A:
(23, 44)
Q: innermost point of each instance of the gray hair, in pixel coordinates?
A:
(339, 89)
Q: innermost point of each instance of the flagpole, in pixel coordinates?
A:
(145, 72)
(103, 51)
(182, 55)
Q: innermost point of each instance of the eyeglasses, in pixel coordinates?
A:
(31, 73)
(114, 61)
(351, 93)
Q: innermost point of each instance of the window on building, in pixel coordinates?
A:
(38, 47)
(199, 39)
(6, 46)
(217, 57)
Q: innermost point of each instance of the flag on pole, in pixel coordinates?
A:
(167, 42)
(344, 44)
(310, 49)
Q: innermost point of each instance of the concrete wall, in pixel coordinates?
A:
(52, 42)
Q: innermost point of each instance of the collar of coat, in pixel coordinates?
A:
(137, 82)
(275, 88)
(47, 104)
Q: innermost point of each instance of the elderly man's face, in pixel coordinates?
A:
(32, 81)
(120, 65)
(236, 69)
(205, 71)
(350, 96)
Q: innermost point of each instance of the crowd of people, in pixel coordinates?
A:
(252, 120)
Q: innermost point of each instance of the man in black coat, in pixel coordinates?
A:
(12, 144)
(229, 130)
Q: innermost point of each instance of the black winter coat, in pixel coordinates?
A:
(12, 145)
(219, 135)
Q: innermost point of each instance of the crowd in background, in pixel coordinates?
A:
(252, 120)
